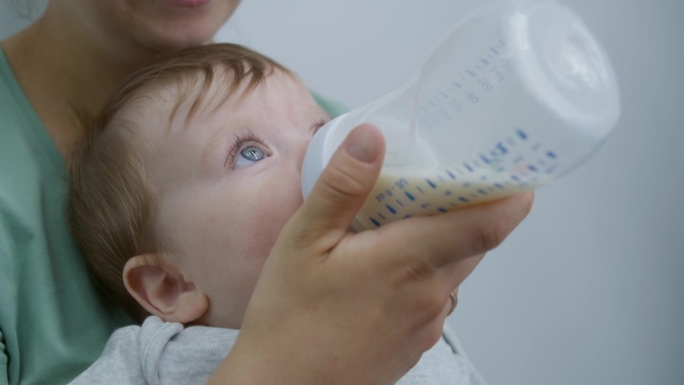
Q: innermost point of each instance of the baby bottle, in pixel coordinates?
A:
(518, 94)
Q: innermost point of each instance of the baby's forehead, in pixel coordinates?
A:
(195, 94)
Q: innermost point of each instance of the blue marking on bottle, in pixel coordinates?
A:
(467, 166)
(521, 134)
(431, 183)
(391, 209)
(457, 84)
(399, 202)
(494, 51)
(425, 205)
(551, 155)
(420, 189)
(382, 216)
(484, 61)
(499, 186)
(441, 210)
(376, 223)
(532, 168)
(466, 185)
(481, 191)
(451, 175)
(407, 216)
(515, 178)
(447, 193)
(471, 73)
(409, 196)
(485, 159)
(500, 150)
(463, 199)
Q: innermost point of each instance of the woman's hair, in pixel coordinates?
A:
(112, 208)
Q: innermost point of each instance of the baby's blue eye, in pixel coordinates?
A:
(249, 155)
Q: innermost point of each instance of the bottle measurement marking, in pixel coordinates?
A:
(525, 172)
(485, 72)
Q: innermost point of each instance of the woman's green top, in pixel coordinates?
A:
(53, 323)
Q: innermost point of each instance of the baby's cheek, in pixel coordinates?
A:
(266, 222)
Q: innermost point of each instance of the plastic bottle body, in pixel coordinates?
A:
(516, 95)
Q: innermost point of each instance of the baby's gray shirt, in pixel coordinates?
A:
(164, 353)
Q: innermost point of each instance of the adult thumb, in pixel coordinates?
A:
(345, 183)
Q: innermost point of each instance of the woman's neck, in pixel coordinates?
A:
(66, 74)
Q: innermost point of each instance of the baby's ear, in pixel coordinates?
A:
(162, 290)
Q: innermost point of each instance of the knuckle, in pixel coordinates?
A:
(492, 236)
(341, 183)
(420, 270)
(435, 306)
(431, 335)
(434, 334)
(432, 307)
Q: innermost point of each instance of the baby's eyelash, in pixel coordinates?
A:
(239, 140)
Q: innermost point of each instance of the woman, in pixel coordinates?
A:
(58, 72)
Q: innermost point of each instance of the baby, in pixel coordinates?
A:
(176, 199)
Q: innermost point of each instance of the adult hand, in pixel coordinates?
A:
(337, 307)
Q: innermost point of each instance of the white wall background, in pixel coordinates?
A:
(589, 289)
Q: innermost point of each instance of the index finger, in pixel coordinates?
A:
(446, 238)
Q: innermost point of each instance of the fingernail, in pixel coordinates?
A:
(362, 144)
